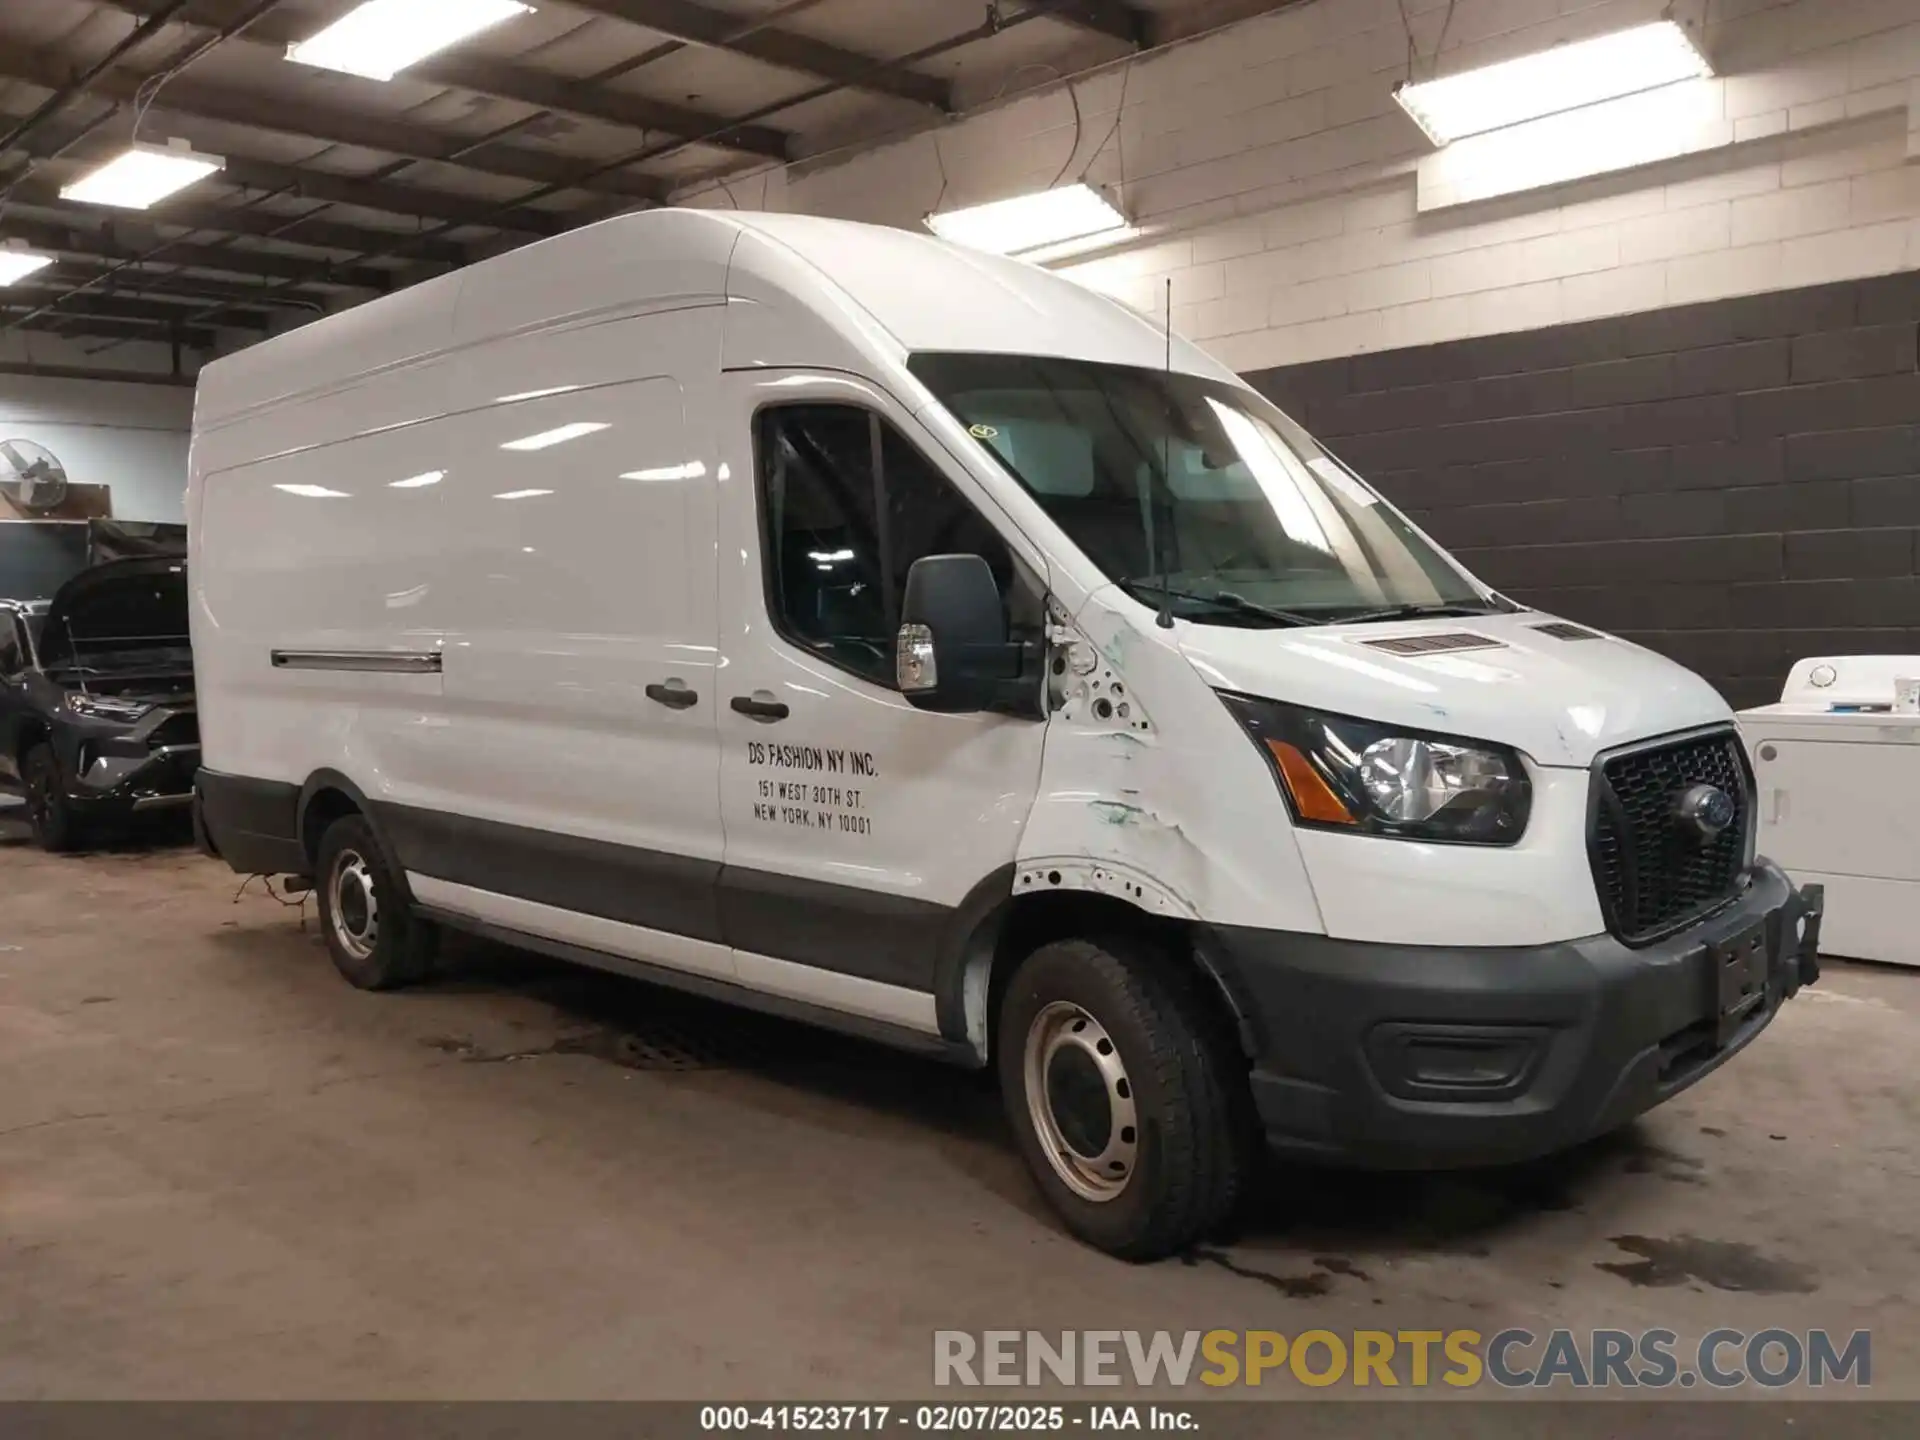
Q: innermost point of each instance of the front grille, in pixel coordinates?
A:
(1654, 873)
(180, 729)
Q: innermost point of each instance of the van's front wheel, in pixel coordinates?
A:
(1126, 1097)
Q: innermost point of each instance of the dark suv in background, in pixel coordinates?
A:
(97, 719)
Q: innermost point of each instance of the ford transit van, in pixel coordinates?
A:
(856, 627)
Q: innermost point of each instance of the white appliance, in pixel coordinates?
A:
(1837, 764)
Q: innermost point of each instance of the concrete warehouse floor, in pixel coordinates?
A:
(225, 1173)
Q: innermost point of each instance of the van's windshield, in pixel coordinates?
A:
(1197, 494)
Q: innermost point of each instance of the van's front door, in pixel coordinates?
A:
(855, 825)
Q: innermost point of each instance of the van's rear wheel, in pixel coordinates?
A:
(1126, 1095)
(375, 941)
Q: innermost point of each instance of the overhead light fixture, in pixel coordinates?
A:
(142, 175)
(1567, 77)
(1035, 226)
(383, 37)
(521, 494)
(556, 437)
(418, 482)
(315, 492)
(17, 262)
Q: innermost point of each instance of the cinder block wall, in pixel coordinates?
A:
(1735, 484)
(1278, 184)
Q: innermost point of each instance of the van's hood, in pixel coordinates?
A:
(1558, 701)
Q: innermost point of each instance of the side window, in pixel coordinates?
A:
(12, 654)
(927, 516)
(820, 519)
(838, 539)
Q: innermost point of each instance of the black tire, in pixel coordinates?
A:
(56, 828)
(397, 947)
(1183, 1074)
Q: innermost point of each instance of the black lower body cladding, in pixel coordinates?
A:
(251, 824)
(256, 827)
(1428, 1057)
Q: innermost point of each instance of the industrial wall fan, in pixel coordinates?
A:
(32, 475)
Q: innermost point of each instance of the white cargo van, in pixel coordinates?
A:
(868, 630)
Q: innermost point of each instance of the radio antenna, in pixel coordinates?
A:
(1165, 618)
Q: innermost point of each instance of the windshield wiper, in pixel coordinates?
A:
(1419, 611)
(1151, 592)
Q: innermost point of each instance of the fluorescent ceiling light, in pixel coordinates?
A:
(1566, 77)
(520, 494)
(1043, 220)
(383, 37)
(1080, 245)
(555, 437)
(692, 470)
(416, 482)
(142, 175)
(314, 492)
(17, 264)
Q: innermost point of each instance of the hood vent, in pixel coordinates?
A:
(1561, 630)
(1433, 644)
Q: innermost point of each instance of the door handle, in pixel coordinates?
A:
(765, 711)
(674, 695)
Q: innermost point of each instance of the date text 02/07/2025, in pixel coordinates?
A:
(945, 1419)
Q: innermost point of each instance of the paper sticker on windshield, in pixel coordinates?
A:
(1335, 474)
(983, 432)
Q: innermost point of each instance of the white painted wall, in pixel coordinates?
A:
(1301, 215)
(132, 437)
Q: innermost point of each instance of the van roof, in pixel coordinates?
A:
(926, 293)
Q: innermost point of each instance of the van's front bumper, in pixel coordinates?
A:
(1422, 1057)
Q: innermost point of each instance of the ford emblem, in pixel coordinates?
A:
(1705, 811)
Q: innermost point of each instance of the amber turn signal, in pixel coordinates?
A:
(1313, 798)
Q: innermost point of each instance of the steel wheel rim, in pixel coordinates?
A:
(1070, 1062)
(354, 907)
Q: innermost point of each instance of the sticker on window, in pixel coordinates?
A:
(983, 432)
(1337, 475)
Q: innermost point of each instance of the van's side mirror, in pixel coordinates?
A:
(952, 653)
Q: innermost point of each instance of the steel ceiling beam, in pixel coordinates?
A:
(507, 80)
(90, 372)
(14, 317)
(260, 224)
(202, 101)
(155, 20)
(106, 305)
(178, 291)
(407, 201)
(95, 249)
(565, 96)
(1112, 18)
(717, 30)
(389, 197)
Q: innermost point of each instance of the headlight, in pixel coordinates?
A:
(1339, 773)
(105, 707)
